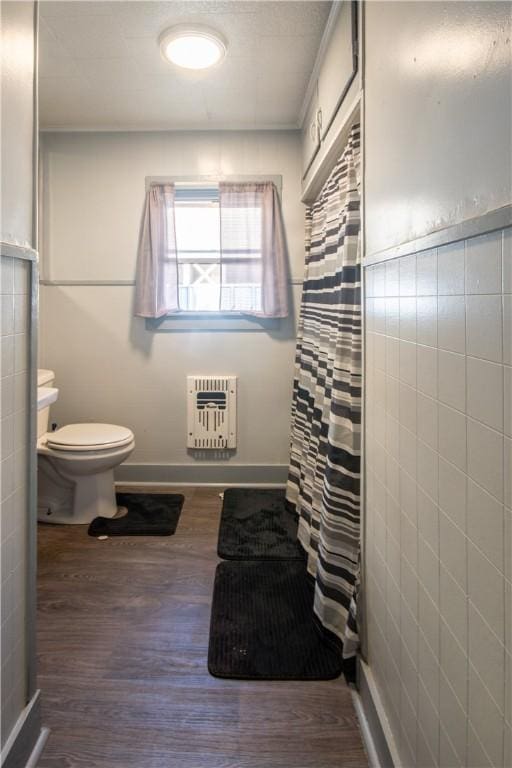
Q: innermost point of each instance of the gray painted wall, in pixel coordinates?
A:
(108, 366)
(438, 116)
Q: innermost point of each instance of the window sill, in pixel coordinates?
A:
(212, 321)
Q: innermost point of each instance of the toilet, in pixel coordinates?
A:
(75, 464)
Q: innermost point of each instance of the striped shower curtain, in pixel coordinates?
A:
(324, 473)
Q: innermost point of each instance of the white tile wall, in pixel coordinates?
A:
(439, 382)
(14, 275)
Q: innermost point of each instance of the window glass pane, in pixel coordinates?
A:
(199, 287)
(197, 228)
(207, 283)
(242, 229)
(241, 298)
(198, 244)
(241, 258)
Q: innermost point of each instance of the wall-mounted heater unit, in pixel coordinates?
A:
(211, 411)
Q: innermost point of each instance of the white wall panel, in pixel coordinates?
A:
(94, 191)
(16, 125)
(438, 116)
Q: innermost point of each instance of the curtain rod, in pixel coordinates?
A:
(205, 179)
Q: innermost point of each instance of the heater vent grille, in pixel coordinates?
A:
(211, 411)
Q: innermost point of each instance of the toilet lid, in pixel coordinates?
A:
(89, 437)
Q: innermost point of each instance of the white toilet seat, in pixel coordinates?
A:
(87, 438)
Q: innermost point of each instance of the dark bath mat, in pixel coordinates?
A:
(263, 627)
(149, 514)
(256, 524)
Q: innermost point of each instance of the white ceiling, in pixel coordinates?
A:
(101, 68)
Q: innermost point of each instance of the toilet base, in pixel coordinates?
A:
(75, 501)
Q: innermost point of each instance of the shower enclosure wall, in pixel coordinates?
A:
(20, 727)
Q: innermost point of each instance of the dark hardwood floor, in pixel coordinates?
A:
(122, 641)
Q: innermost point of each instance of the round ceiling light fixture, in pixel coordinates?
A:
(192, 46)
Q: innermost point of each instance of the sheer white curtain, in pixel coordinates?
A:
(254, 262)
(156, 284)
(253, 256)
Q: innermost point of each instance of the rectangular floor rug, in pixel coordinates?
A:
(149, 514)
(263, 627)
(256, 524)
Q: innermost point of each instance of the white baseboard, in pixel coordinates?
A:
(38, 749)
(366, 732)
(27, 739)
(375, 730)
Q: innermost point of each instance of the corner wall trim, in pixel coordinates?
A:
(204, 474)
(374, 761)
(480, 225)
(38, 749)
(26, 737)
(17, 251)
(117, 283)
(377, 737)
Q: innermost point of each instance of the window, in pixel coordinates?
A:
(197, 225)
(207, 281)
(211, 280)
(208, 248)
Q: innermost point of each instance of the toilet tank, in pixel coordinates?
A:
(45, 378)
(46, 395)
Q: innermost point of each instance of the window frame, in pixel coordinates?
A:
(213, 321)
